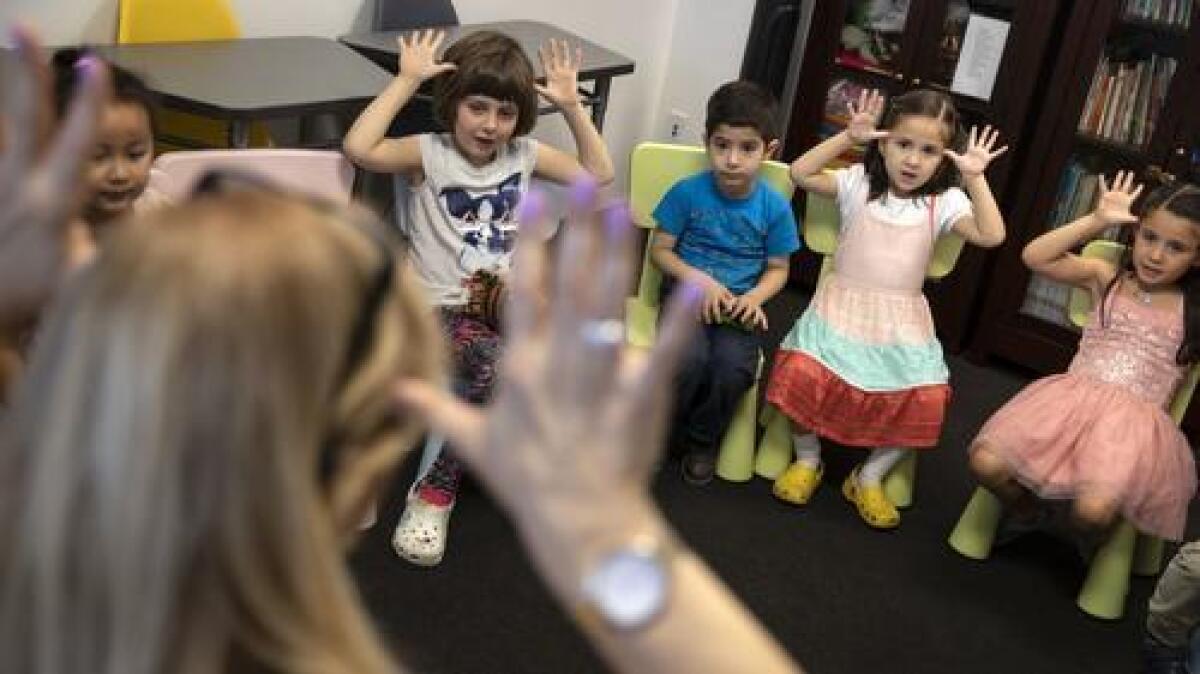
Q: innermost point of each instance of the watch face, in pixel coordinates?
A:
(628, 587)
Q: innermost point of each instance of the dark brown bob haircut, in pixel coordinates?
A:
(489, 64)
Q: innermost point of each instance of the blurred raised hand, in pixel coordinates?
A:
(41, 187)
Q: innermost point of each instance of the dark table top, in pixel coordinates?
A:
(253, 78)
(597, 61)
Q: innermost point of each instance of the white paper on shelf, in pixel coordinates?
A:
(979, 59)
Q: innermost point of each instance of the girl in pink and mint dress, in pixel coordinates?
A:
(1099, 435)
(862, 366)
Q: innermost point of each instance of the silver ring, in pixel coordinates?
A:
(602, 331)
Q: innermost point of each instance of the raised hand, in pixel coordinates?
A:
(561, 66)
(570, 440)
(978, 154)
(40, 177)
(418, 55)
(864, 117)
(1115, 203)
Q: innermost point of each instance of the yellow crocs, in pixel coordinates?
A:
(873, 505)
(797, 484)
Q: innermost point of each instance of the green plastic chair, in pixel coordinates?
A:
(821, 236)
(654, 168)
(1126, 551)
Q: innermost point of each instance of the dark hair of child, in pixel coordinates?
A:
(1181, 199)
(746, 104)
(923, 103)
(127, 87)
(489, 64)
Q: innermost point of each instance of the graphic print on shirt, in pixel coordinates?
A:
(723, 238)
(487, 222)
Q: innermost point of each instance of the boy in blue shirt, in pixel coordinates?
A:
(731, 233)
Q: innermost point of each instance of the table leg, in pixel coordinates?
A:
(239, 134)
(600, 101)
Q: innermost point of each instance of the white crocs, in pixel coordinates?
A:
(420, 536)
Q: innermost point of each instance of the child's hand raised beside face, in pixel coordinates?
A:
(561, 66)
(1114, 204)
(418, 55)
(864, 117)
(974, 161)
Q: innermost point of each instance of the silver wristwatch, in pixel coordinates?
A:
(628, 586)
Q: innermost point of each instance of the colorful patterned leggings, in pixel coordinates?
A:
(474, 351)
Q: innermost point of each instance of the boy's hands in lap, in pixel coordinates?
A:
(748, 310)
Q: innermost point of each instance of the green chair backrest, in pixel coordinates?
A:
(1079, 309)
(653, 169)
(821, 236)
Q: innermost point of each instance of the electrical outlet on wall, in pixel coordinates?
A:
(678, 124)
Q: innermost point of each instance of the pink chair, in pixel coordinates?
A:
(322, 173)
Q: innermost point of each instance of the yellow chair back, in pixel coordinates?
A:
(142, 21)
(1079, 309)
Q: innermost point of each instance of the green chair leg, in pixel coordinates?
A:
(976, 529)
(1107, 583)
(1148, 557)
(898, 485)
(775, 449)
(735, 462)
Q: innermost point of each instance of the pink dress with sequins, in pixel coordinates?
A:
(1102, 428)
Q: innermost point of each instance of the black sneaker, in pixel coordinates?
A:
(698, 468)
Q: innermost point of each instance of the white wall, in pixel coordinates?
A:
(62, 21)
(709, 40)
(683, 48)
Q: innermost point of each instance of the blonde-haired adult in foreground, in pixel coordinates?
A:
(196, 435)
(207, 413)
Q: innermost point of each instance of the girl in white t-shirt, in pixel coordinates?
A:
(461, 191)
(863, 366)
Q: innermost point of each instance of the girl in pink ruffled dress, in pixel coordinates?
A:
(1100, 435)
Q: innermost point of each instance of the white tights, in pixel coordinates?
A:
(873, 470)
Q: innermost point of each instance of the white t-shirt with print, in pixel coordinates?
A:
(462, 218)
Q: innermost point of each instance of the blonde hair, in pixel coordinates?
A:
(161, 508)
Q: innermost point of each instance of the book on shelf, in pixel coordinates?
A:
(1140, 110)
(1172, 13)
(1125, 97)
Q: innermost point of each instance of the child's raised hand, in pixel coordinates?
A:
(561, 65)
(418, 55)
(979, 152)
(1115, 202)
(865, 116)
(748, 311)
